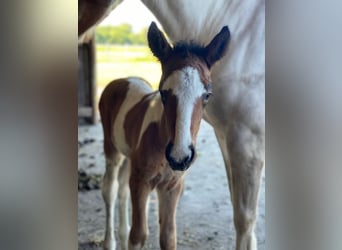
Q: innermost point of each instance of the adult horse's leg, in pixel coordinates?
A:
(109, 193)
(140, 190)
(221, 138)
(123, 197)
(168, 200)
(246, 156)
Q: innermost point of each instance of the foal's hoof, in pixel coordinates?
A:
(109, 245)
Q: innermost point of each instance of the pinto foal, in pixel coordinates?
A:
(156, 132)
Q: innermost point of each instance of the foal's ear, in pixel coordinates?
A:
(217, 48)
(157, 42)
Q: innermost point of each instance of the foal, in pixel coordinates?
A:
(157, 132)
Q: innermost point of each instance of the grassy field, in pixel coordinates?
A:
(114, 62)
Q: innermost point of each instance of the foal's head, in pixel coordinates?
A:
(185, 89)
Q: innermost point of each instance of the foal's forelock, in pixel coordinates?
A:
(187, 87)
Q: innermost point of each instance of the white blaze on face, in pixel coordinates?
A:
(186, 85)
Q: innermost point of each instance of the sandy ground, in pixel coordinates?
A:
(204, 215)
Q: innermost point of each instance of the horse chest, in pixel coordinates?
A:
(165, 178)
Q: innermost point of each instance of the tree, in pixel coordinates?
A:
(121, 34)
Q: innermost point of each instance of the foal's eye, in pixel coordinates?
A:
(206, 97)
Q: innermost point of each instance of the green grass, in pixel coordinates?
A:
(114, 62)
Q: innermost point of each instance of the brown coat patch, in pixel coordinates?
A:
(134, 120)
(149, 162)
(110, 102)
(150, 151)
(169, 117)
(196, 117)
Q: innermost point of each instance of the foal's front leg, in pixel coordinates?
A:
(123, 195)
(140, 190)
(168, 200)
(109, 193)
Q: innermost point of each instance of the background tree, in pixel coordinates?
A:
(122, 34)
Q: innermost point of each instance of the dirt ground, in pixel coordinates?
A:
(204, 215)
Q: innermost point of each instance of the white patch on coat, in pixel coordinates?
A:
(137, 89)
(186, 85)
(153, 113)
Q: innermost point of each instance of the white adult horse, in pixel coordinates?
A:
(236, 111)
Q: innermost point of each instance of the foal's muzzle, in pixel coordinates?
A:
(182, 165)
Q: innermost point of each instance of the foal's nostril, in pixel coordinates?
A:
(183, 164)
(186, 159)
(192, 149)
(168, 150)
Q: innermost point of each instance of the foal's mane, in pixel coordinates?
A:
(187, 48)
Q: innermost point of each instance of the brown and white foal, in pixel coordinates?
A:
(156, 132)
